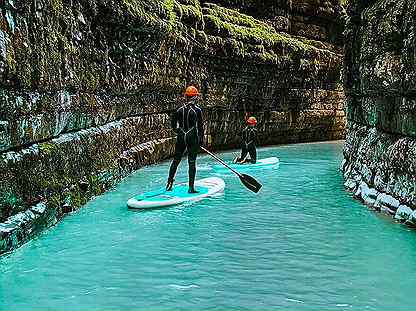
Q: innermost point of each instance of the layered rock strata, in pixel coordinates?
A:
(87, 88)
(380, 162)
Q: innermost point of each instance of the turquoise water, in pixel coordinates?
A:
(302, 243)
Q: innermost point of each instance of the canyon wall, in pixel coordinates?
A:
(87, 87)
(380, 163)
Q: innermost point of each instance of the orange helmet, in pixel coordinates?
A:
(252, 121)
(191, 91)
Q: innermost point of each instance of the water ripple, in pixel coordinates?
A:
(302, 243)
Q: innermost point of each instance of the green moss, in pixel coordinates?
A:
(22, 54)
(191, 10)
(10, 201)
(170, 4)
(65, 44)
(94, 185)
(165, 14)
(90, 78)
(266, 42)
(147, 11)
(76, 199)
(47, 148)
(54, 201)
(11, 62)
(57, 6)
(230, 16)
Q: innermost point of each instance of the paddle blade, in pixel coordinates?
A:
(250, 183)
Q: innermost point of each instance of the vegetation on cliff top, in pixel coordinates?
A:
(243, 29)
(165, 13)
(220, 26)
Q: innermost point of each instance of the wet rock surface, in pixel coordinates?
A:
(86, 89)
(379, 80)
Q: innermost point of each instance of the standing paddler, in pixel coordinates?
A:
(187, 122)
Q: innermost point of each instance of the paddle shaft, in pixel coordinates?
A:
(222, 162)
(247, 180)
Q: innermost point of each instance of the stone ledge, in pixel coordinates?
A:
(381, 202)
(21, 227)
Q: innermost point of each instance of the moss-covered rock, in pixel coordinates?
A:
(381, 109)
(86, 88)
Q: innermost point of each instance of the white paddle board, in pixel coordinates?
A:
(262, 163)
(179, 194)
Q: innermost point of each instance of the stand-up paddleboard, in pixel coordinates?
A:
(179, 194)
(262, 163)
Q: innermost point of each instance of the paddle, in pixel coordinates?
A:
(247, 180)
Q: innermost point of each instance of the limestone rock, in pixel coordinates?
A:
(379, 76)
(386, 203)
(403, 213)
(367, 194)
(412, 218)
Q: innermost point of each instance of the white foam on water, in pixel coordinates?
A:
(183, 287)
(294, 300)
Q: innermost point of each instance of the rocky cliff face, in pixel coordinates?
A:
(86, 88)
(380, 162)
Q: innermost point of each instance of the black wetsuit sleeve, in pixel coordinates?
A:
(255, 136)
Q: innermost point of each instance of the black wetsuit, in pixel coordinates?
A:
(249, 137)
(187, 123)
